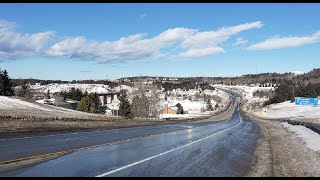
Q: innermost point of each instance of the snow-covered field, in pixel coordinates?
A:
(311, 138)
(247, 93)
(289, 110)
(195, 108)
(10, 106)
(90, 88)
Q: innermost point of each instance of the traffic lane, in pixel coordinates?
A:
(92, 162)
(11, 149)
(227, 154)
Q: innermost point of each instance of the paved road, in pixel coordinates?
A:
(184, 149)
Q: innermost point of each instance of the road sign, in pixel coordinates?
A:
(304, 101)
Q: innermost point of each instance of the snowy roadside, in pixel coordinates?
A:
(279, 151)
(289, 111)
(283, 149)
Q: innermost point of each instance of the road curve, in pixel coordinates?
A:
(184, 149)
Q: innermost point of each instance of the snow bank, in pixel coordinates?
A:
(11, 103)
(311, 138)
(289, 110)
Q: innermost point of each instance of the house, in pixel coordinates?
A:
(111, 101)
(107, 98)
(64, 102)
(169, 110)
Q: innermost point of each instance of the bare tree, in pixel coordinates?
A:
(24, 91)
(154, 100)
(146, 99)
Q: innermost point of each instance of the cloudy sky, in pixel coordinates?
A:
(99, 41)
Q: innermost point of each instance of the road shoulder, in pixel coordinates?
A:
(281, 153)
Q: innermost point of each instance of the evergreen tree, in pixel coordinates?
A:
(216, 106)
(5, 84)
(209, 105)
(85, 104)
(90, 103)
(48, 94)
(95, 104)
(180, 108)
(125, 108)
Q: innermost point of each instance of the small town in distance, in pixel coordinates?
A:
(235, 97)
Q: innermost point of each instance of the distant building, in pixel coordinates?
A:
(109, 100)
(64, 102)
(169, 110)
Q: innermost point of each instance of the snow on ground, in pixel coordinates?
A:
(55, 87)
(16, 107)
(195, 108)
(310, 137)
(247, 92)
(289, 110)
(90, 88)
(11, 103)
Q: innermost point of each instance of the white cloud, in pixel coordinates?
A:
(283, 42)
(15, 45)
(136, 47)
(194, 53)
(240, 41)
(214, 38)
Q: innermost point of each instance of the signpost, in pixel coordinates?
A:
(305, 101)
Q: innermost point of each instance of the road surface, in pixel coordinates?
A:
(208, 148)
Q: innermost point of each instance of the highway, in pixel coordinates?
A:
(205, 148)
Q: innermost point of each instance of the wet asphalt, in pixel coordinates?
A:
(183, 149)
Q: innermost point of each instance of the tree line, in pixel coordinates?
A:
(184, 85)
(289, 89)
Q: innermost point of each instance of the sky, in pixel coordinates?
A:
(108, 40)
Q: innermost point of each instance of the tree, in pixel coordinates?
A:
(90, 103)
(25, 91)
(96, 104)
(73, 93)
(125, 108)
(180, 108)
(5, 84)
(216, 106)
(153, 100)
(140, 106)
(209, 105)
(48, 94)
(85, 104)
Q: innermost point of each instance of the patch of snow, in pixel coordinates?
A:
(310, 137)
(289, 110)
(12, 103)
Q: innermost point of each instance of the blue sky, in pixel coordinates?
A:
(99, 41)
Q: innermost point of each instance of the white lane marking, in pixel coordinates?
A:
(166, 152)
